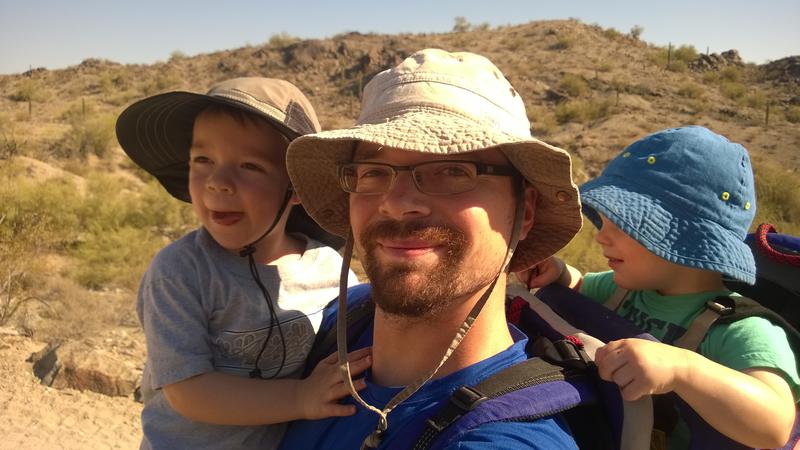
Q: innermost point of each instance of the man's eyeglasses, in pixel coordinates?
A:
(432, 178)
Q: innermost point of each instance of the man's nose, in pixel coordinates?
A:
(403, 200)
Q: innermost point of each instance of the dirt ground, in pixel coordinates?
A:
(33, 416)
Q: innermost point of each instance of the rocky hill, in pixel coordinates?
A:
(588, 89)
(79, 223)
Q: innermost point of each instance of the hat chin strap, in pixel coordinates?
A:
(249, 251)
(374, 439)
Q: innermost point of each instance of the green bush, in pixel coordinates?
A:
(711, 77)
(755, 99)
(678, 66)
(282, 39)
(91, 134)
(691, 90)
(732, 90)
(28, 90)
(777, 197)
(685, 53)
(116, 258)
(731, 74)
(111, 233)
(612, 33)
(563, 43)
(574, 85)
(792, 114)
(579, 111)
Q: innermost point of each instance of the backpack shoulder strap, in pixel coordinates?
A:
(697, 330)
(723, 310)
(491, 400)
(616, 299)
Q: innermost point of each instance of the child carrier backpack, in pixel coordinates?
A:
(777, 273)
(559, 378)
(778, 277)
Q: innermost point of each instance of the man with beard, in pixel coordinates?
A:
(441, 190)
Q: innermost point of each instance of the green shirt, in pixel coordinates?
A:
(753, 342)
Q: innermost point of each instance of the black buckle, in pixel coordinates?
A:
(467, 398)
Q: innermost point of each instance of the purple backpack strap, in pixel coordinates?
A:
(591, 317)
(526, 391)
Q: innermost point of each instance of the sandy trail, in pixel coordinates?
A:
(33, 416)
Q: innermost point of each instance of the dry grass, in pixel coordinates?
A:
(618, 89)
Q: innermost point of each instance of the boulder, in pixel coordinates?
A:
(110, 365)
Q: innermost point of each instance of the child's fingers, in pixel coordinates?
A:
(336, 410)
(360, 365)
(360, 353)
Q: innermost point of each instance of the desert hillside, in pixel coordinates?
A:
(79, 222)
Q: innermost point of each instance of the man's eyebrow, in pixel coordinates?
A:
(366, 153)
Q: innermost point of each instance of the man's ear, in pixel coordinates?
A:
(530, 196)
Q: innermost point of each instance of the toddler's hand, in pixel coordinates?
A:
(640, 367)
(319, 394)
(542, 274)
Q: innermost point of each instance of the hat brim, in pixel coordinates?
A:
(697, 243)
(156, 133)
(312, 161)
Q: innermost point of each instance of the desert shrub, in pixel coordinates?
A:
(282, 39)
(777, 197)
(543, 123)
(730, 74)
(116, 258)
(10, 143)
(574, 85)
(636, 31)
(90, 134)
(710, 77)
(612, 33)
(123, 231)
(579, 111)
(691, 90)
(678, 66)
(685, 53)
(159, 83)
(604, 66)
(755, 99)
(732, 89)
(28, 90)
(563, 43)
(792, 114)
(678, 60)
(112, 81)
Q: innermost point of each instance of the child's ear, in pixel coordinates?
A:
(294, 199)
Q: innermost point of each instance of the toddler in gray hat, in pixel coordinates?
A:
(230, 311)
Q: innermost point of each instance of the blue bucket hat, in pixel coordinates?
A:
(686, 194)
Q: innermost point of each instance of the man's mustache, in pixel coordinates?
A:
(412, 229)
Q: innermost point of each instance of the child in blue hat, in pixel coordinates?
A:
(672, 211)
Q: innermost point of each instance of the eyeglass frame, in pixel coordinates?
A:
(481, 168)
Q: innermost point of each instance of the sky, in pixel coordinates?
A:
(59, 33)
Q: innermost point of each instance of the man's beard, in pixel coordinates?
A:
(414, 290)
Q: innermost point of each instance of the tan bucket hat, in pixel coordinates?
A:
(443, 103)
(156, 132)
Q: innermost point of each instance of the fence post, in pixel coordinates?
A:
(669, 55)
(766, 118)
